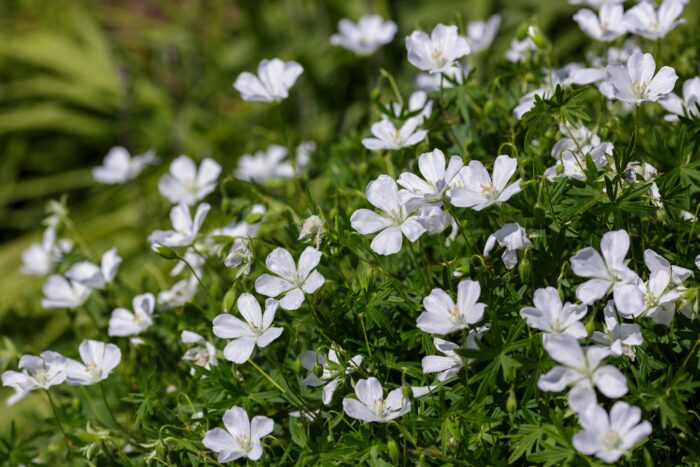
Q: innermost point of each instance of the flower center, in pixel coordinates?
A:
(455, 314)
(488, 190)
(93, 370)
(379, 408)
(649, 297)
(244, 443)
(41, 376)
(438, 58)
(611, 439)
(639, 89)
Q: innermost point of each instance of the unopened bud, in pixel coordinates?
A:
(229, 298)
(164, 251)
(539, 213)
(511, 403)
(488, 107)
(296, 366)
(525, 269)
(393, 449)
(318, 370)
(534, 33)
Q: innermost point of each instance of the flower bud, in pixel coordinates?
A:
(407, 392)
(488, 107)
(229, 298)
(511, 403)
(318, 370)
(525, 269)
(164, 251)
(296, 366)
(393, 449)
(534, 33)
(539, 214)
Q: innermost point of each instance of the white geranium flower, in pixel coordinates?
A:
(697, 261)
(417, 102)
(445, 366)
(604, 272)
(609, 437)
(654, 298)
(272, 163)
(181, 293)
(312, 229)
(439, 51)
(605, 26)
(581, 371)
(99, 360)
(42, 372)
(430, 82)
(94, 276)
(333, 371)
(512, 237)
(621, 338)
(290, 280)
(240, 256)
(480, 34)
(553, 318)
(119, 167)
(185, 227)
(370, 405)
(474, 188)
(520, 50)
(571, 165)
(202, 353)
(387, 136)
(275, 78)
(366, 36)
(126, 323)
(241, 438)
(40, 258)
(555, 77)
(60, 292)
(637, 82)
(688, 103)
(656, 262)
(185, 184)
(644, 20)
(255, 331)
(443, 316)
(383, 194)
(438, 177)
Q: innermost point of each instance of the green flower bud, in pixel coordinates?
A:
(511, 403)
(488, 107)
(164, 251)
(318, 370)
(393, 449)
(534, 33)
(229, 298)
(539, 213)
(525, 269)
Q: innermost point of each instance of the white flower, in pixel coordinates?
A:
(290, 280)
(438, 52)
(383, 194)
(622, 338)
(606, 25)
(571, 165)
(370, 405)
(186, 228)
(654, 298)
(418, 102)
(430, 82)
(555, 77)
(312, 229)
(99, 360)
(255, 331)
(679, 106)
(119, 167)
(60, 292)
(125, 323)
(275, 78)
(240, 256)
(263, 166)
(480, 34)
(438, 178)
(513, 238)
(364, 38)
(179, 294)
(595, 3)
(186, 184)
(580, 371)
(241, 438)
(474, 187)
(446, 366)
(40, 258)
(443, 316)
(387, 136)
(333, 371)
(609, 437)
(552, 318)
(604, 272)
(697, 261)
(93, 276)
(520, 50)
(636, 82)
(42, 372)
(203, 353)
(642, 19)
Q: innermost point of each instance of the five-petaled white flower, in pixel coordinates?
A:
(637, 82)
(179, 294)
(255, 331)
(609, 437)
(446, 365)
(512, 237)
(438, 178)
(604, 272)
(40, 258)
(186, 184)
(333, 371)
(275, 78)
(387, 136)
(474, 188)
(606, 25)
(370, 405)
(621, 338)
(519, 51)
(125, 323)
(438, 52)
(551, 317)
(688, 103)
(290, 280)
(202, 353)
(94, 276)
(60, 292)
(241, 438)
(272, 163)
(383, 194)
(366, 36)
(418, 105)
(42, 372)
(581, 371)
(99, 360)
(185, 227)
(443, 316)
(643, 20)
(480, 34)
(119, 167)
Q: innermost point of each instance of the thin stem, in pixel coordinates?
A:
(269, 378)
(364, 332)
(55, 413)
(196, 276)
(111, 413)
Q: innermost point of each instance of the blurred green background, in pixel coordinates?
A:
(78, 77)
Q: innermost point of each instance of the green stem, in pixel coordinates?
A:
(268, 377)
(55, 414)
